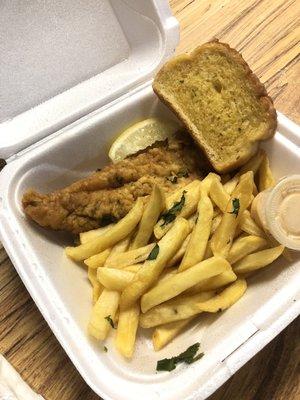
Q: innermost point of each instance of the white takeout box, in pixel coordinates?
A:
(75, 75)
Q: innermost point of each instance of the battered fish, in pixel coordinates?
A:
(107, 195)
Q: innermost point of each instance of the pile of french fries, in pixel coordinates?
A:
(171, 258)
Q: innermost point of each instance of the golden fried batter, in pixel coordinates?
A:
(107, 195)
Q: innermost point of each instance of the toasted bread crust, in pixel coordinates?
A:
(258, 90)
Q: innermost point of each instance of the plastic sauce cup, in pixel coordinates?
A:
(277, 211)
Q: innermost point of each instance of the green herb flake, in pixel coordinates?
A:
(105, 349)
(167, 218)
(167, 364)
(188, 356)
(196, 358)
(170, 215)
(236, 207)
(153, 253)
(110, 321)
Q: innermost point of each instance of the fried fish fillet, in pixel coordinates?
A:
(107, 195)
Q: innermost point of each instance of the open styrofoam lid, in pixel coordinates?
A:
(61, 59)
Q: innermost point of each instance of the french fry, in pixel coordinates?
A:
(190, 198)
(248, 225)
(222, 239)
(104, 310)
(114, 235)
(114, 279)
(126, 331)
(176, 195)
(215, 282)
(215, 223)
(94, 233)
(129, 257)
(182, 281)
(258, 260)
(153, 209)
(97, 287)
(199, 237)
(253, 164)
(208, 251)
(219, 195)
(133, 268)
(185, 307)
(265, 177)
(182, 307)
(180, 253)
(163, 334)
(189, 306)
(119, 248)
(230, 185)
(226, 298)
(150, 271)
(208, 180)
(167, 272)
(98, 260)
(243, 246)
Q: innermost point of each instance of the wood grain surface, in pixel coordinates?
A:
(267, 34)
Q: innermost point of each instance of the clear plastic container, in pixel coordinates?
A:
(277, 210)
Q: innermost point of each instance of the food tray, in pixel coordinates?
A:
(50, 159)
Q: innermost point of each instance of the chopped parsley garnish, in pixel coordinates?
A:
(170, 215)
(153, 253)
(236, 207)
(167, 364)
(110, 321)
(188, 356)
(105, 349)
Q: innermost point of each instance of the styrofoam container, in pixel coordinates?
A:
(59, 286)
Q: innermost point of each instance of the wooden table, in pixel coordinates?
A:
(266, 33)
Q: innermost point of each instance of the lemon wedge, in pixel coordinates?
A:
(141, 135)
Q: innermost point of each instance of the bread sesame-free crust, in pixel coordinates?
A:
(258, 90)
